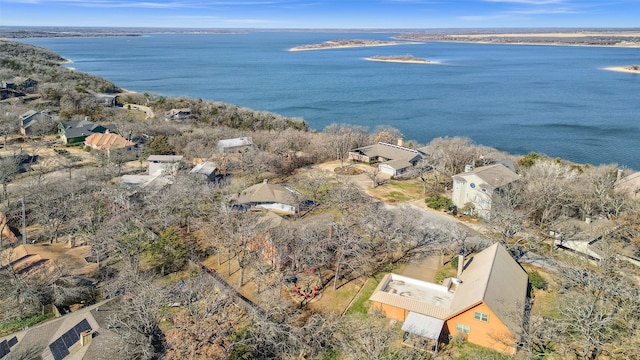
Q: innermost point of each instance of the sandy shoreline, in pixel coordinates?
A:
(327, 46)
(410, 61)
(624, 69)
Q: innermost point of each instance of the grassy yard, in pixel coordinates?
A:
(395, 191)
(361, 304)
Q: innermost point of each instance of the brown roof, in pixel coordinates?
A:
(267, 193)
(491, 276)
(107, 141)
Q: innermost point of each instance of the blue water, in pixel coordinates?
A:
(554, 100)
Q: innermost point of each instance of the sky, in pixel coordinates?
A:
(322, 14)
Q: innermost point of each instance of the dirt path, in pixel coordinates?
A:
(148, 113)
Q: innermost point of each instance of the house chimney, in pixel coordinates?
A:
(86, 118)
(460, 265)
(85, 337)
(401, 141)
(468, 168)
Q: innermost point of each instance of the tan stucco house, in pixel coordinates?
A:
(485, 303)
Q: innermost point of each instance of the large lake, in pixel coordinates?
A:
(555, 100)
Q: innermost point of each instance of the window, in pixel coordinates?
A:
(462, 328)
(481, 316)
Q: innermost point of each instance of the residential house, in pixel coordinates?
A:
(149, 183)
(109, 100)
(484, 303)
(7, 85)
(208, 169)
(164, 163)
(26, 84)
(628, 185)
(112, 144)
(161, 167)
(271, 197)
(177, 114)
(7, 93)
(474, 189)
(82, 334)
(76, 131)
(392, 159)
(235, 145)
(32, 121)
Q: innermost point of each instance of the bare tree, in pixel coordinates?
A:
(137, 319)
(546, 190)
(595, 310)
(342, 138)
(8, 169)
(450, 155)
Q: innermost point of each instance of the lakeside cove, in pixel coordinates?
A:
(509, 97)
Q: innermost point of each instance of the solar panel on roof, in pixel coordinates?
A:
(13, 341)
(4, 348)
(58, 349)
(82, 326)
(70, 337)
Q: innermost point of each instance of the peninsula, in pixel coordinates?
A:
(633, 69)
(410, 59)
(577, 37)
(349, 43)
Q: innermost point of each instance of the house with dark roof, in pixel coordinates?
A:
(474, 189)
(176, 114)
(76, 131)
(271, 197)
(82, 334)
(32, 120)
(484, 303)
(392, 159)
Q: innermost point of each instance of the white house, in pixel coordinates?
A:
(164, 163)
(474, 188)
(234, 145)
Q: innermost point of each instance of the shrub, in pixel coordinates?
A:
(536, 280)
(528, 160)
(454, 262)
(437, 201)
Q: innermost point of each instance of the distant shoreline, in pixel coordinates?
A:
(402, 59)
(624, 69)
(624, 39)
(342, 44)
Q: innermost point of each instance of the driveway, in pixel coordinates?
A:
(148, 113)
